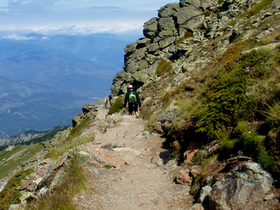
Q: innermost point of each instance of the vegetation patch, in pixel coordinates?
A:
(224, 96)
(163, 67)
(69, 144)
(187, 35)
(257, 8)
(10, 160)
(78, 130)
(10, 194)
(117, 106)
(73, 182)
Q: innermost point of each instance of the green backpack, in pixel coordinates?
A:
(132, 98)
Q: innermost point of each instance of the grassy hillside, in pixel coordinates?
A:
(10, 160)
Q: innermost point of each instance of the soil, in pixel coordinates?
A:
(137, 184)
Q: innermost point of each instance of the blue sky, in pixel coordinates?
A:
(77, 16)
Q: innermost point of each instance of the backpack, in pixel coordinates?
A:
(132, 98)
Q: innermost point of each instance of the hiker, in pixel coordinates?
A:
(133, 100)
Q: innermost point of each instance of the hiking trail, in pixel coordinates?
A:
(126, 170)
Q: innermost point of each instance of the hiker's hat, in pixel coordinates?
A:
(130, 87)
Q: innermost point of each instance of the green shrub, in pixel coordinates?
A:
(117, 106)
(267, 161)
(249, 141)
(225, 98)
(273, 113)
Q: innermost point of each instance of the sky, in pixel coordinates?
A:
(73, 17)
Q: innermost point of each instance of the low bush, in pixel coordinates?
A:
(117, 106)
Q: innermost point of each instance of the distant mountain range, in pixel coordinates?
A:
(44, 81)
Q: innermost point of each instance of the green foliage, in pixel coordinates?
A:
(195, 183)
(273, 113)
(72, 183)
(117, 106)
(225, 99)
(222, 98)
(163, 67)
(249, 141)
(267, 161)
(197, 157)
(207, 161)
(10, 194)
(69, 144)
(257, 8)
(78, 130)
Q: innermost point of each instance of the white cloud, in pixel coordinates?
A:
(17, 37)
(72, 30)
(23, 38)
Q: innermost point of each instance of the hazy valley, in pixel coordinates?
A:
(45, 80)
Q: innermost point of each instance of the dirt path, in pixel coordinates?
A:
(121, 173)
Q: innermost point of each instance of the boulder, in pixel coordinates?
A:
(169, 10)
(150, 28)
(130, 48)
(167, 24)
(158, 128)
(169, 115)
(144, 42)
(248, 183)
(153, 47)
(143, 64)
(141, 76)
(166, 42)
(186, 13)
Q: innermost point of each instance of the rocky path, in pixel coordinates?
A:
(126, 171)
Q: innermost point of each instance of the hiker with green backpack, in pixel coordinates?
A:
(132, 97)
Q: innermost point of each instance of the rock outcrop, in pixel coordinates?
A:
(247, 184)
(179, 29)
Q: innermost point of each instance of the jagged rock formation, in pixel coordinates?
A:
(184, 35)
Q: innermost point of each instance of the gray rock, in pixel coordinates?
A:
(166, 42)
(169, 115)
(204, 193)
(153, 47)
(168, 10)
(248, 183)
(130, 48)
(150, 28)
(186, 13)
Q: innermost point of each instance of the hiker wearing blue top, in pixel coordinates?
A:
(133, 100)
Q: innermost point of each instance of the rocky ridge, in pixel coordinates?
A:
(188, 35)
